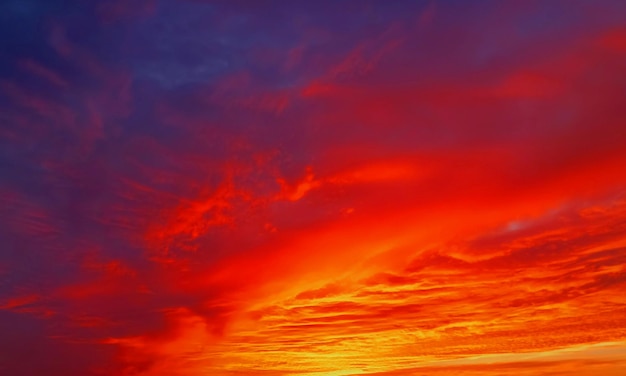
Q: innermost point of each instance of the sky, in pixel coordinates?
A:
(272, 188)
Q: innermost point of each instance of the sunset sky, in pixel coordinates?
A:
(312, 188)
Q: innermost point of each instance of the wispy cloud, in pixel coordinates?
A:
(312, 188)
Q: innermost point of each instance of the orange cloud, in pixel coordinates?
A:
(409, 194)
(449, 260)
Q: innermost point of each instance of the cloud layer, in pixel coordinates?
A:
(312, 188)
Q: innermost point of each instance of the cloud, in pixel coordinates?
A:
(214, 187)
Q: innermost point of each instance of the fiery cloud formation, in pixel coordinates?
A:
(312, 188)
